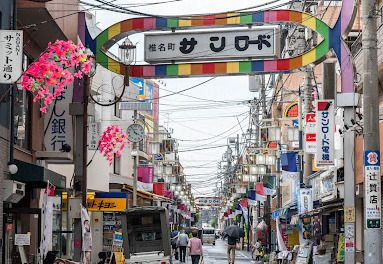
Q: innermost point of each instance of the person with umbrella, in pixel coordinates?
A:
(233, 233)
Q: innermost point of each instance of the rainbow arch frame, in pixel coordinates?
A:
(332, 40)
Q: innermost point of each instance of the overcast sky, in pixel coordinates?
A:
(195, 119)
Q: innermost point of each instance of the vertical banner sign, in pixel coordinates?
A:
(372, 189)
(310, 133)
(94, 132)
(305, 200)
(58, 121)
(325, 133)
(11, 55)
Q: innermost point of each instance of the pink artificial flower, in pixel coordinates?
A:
(78, 75)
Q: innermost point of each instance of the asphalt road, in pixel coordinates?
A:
(217, 254)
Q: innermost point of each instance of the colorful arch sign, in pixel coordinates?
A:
(331, 40)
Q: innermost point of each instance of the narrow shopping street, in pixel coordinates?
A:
(217, 254)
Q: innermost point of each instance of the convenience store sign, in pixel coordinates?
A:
(105, 202)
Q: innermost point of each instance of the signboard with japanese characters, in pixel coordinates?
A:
(94, 132)
(58, 122)
(372, 189)
(107, 204)
(258, 42)
(11, 55)
(325, 133)
(208, 201)
(310, 133)
(305, 202)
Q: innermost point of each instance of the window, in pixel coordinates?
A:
(117, 165)
(117, 111)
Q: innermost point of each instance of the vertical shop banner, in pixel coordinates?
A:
(86, 236)
(325, 127)
(310, 133)
(372, 189)
(305, 200)
(47, 223)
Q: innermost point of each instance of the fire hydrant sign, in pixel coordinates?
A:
(11, 55)
(325, 133)
(372, 189)
(258, 42)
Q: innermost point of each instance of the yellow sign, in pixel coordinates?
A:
(120, 259)
(107, 204)
(349, 214)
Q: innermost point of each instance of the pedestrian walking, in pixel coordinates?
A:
(231, 246)
(195, 248)
(182, 243)
(233, 233)
(173, 241)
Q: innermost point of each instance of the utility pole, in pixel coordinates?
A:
(135, 165)
(267, 205)
(372, 234)
(7, 21)
(307, 157)
(79, 109)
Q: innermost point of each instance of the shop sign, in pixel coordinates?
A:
(11, 55)
(22, 239)
(107, 204)
(372, 189)
(327, 187)
(292, 110)
(305, 200)
(310, 133)
(257, 43)
(325, 133)
(94, 132)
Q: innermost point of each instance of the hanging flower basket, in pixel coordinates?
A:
(112, 142)
(47, 77)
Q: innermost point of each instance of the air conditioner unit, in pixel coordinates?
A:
(14, 191)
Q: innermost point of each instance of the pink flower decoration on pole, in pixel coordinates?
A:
(112, 142)
(47, 77)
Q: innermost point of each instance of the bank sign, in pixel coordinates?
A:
(255, 43)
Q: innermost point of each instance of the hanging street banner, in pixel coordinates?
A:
(372, 189)
(325, 127)
(256, 43)
(11, 55)
(208, 201)
(310, 133)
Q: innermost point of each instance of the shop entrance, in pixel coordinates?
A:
(25, 221)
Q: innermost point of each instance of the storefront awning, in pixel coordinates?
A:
(37, 176)
(146, 195)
